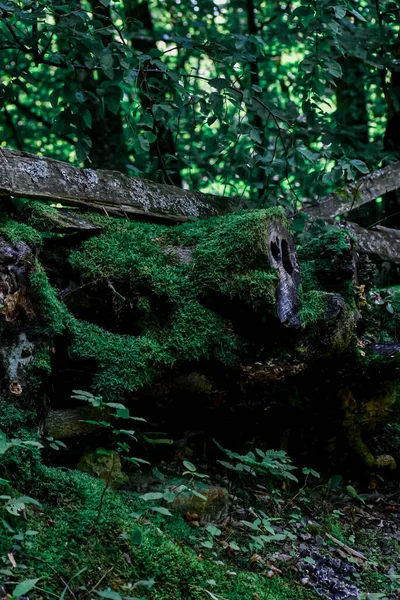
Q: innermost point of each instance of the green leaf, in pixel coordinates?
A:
(150, 136)
(80, 96)
(214, 531)
(190, 466)
(24, 587)
(312, 156)
(157, 474)
(161, 510)
(4, 446)
(219, 84)
(109, 594)
(255, 135)
(157, 441)
(198, 495)
(334, 68)
(152, 496)
(212, 596)
(360, 166)
(351, 491)
(340, 11)
(107, 64)
(307, 471)
(169, 496)
(54, 96)
(105, 2)
(144, 143)
(207, 544)
(255, 526)
(87, 117)
(357, 15)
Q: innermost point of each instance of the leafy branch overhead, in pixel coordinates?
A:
(258, 104)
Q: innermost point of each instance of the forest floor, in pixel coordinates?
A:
(79, 539)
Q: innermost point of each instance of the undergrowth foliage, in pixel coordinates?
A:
(77, 536)
(272, 463)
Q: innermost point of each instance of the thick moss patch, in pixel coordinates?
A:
(75, 542)
(176, 282)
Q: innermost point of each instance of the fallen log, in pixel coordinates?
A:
(26, 175)
(72, 422)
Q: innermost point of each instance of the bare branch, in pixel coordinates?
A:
(357, 193)
(380, 241)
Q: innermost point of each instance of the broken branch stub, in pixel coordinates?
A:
(29, 176)
(282, 255)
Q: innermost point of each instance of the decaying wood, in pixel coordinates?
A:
(65, 221)
(29, 176)
(357, 193)
(379, 241)
(63, 424)
(346, 548)
(282, 255)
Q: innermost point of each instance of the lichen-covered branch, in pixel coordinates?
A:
(357, 193)
(29, 176)
(380, 241)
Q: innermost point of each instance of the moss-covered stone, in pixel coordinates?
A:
(105, 466)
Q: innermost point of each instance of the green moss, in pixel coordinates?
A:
(38, 369)
(333, 242)
(81, 545)
(53, 314)
(227, 255)
(127, 363)
(17, 463)
(39, 214)
(166, 272)
(313, 305)
(20, 232)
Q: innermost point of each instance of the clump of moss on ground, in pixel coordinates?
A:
(75, 543)
(18, 463)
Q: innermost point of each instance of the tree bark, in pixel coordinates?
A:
(29, 176)
(380, 241)
(63, 424)
(358, 193)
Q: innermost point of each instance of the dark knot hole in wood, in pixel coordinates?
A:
(275, 250)
(287, 263)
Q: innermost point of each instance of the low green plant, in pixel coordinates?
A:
(273, 463)
(170, 493)
(121, 412)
